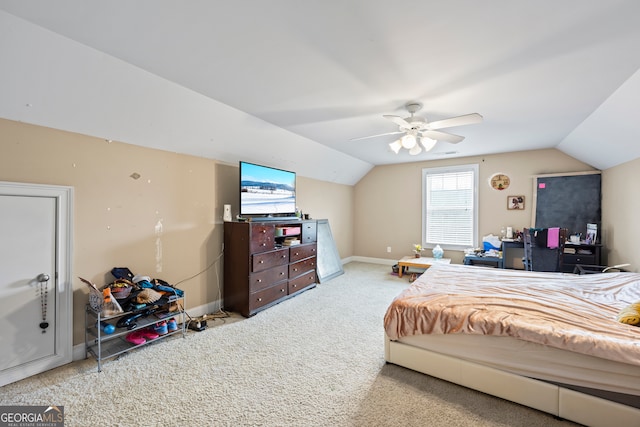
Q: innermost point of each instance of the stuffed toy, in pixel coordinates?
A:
(630, 314)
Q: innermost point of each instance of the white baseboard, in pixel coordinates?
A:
(371, 260)
(78, 352)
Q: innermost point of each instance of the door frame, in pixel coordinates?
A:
(63, 280)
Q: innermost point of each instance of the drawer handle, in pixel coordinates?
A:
(264, 244)
(263, 231)
(281, 290)
(259, 280)
(295, 269)
(282, 273)
(284, 256)
(261, 262)
(295, 286)
(259, 299)
(313, 250)
(296, 254)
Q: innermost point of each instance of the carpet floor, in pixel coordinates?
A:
(314, 360)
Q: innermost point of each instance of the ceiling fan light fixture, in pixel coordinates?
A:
(420, 134)
(415, 150)
(427, 143)
(409, 141)
(396, 146)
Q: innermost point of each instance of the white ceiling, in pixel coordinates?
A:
(288, 83)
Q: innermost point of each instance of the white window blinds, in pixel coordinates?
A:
(450, 206)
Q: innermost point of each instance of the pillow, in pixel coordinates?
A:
(630, 314)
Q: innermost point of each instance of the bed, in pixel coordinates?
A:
(550, 341)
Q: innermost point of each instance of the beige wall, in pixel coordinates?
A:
(620, 213)
(116, 216)
(388, 199)
(335, 202)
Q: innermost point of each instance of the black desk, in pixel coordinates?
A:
(512, 254)
(583, 254)
(492, 261)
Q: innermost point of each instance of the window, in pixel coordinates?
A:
(450, 208)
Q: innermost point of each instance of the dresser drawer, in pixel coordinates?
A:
(266, 278)
(589, 259)
(309, 232)
(265, 260)
(301, 267)
(299, 252)
(302, 282)
(262, 238)
(266, 296)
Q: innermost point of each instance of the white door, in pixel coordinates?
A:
(34, 296)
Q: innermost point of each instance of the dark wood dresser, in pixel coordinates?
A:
(260, 270)
(580, 254)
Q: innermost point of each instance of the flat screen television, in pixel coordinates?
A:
(266, 191)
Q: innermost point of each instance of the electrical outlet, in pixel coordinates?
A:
(388, 249)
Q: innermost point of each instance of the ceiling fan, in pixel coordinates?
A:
(417, 131)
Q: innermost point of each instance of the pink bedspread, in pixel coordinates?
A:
(567, 311)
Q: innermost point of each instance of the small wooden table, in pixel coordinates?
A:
(422, 262)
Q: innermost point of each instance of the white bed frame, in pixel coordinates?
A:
(561, 402)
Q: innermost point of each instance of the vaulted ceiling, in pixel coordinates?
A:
(289, 83)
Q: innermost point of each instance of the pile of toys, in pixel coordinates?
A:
(140, 297)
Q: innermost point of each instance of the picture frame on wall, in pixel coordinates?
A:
(515, 203)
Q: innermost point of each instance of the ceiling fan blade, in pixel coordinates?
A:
(443, 136)
(467, 119)
(398, 120)
(375, 136)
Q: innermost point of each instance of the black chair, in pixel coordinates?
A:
(537, 255)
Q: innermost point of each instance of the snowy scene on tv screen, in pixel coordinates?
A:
(267, 191)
